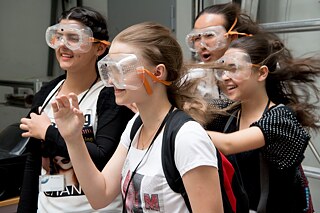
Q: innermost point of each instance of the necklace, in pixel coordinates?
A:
(135, 170)
(59, 88)
(142, 145)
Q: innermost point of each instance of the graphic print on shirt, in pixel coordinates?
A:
(151, 201)
(63, 166)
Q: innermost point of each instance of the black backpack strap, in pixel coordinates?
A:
(264, 185)
(174, 123)
(136, 125)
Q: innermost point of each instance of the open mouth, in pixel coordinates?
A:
(206, 56)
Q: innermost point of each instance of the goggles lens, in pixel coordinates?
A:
(122, 71)
(75, 37)
(238, 66)
(212, 38)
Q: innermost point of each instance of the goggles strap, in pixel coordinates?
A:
(146, 83)
(231, 32)
(91, 39)
(167, 83)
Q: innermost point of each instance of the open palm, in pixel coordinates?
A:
(68, 118)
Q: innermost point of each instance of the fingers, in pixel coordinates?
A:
(74, 100)
(63, 101)
(54, 106)
(24, 126)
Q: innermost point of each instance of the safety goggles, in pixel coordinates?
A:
(124, 71)
(237, 66)
(75, 37)
(211, 38)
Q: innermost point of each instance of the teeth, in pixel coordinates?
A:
(231, 87)
(66, 55)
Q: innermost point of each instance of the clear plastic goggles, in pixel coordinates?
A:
(125, 72)
(75, 37)
(237, 65)
(212, 38)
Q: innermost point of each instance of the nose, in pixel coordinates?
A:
(61, 42)
(203, 43)
(202, 46)
(225, 75)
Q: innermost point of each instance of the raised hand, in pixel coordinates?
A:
(68, 118)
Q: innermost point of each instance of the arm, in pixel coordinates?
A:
(196, 161)
(100, 188)
(112, 120)
(240, 141)
(203, 189)
(28, 201)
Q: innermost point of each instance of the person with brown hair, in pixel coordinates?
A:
(145, 66)
(268, 128)
(213, 30)
(80, 39)
(215, 27)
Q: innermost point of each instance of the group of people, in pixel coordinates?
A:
(81, 121)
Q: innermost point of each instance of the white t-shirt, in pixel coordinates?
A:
(149, 189)
(69, 200)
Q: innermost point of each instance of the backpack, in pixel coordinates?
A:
(234, 197)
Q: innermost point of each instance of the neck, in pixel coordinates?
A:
(154, 115)
(77, 83)
(151, 124)
(252, 110)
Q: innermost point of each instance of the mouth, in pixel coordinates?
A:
(66, 55)
(117, 91)
(205, 56)
(231, 87)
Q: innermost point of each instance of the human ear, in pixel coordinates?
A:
(101, 49)
(263, 72)
(160, 71)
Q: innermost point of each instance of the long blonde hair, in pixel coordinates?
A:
(157, 46)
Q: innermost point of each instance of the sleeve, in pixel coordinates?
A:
(112, 120)
(28, 201)
(220, 120)
(193, 148)
(285, 139)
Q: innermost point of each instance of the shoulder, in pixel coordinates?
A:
(193, 148)
(281, 111)
(278, 115)
(281, 121)
(285, 138)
